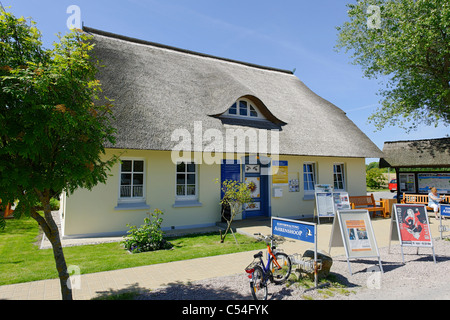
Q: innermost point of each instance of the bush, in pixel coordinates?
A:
(148, 237)
(375, 178)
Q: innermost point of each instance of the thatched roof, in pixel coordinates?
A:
(431, 153)
(158, 89)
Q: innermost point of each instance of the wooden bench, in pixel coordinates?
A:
(419, 199)
(6, 209)
(368, 203)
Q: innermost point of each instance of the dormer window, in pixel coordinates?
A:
(245, 109)
(249, 111)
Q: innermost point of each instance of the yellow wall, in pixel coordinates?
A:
(292, 204)
(93, 212)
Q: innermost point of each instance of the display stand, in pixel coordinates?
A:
(329, 201)
(412, 227)
(353, 230)
(444, 211)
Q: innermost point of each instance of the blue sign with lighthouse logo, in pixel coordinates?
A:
(445, 210)
(293, 229)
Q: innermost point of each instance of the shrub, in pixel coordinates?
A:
(148, 237)
(375, 178)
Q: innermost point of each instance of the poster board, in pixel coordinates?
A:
(329, 201)
(353, 230)
(444, 211)
(341, 201)
(324, 201)
(280, 173)
(439, 180)
(412, 227)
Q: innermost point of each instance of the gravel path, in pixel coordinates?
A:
(418, 278)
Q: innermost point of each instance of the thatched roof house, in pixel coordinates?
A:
(158, 89)
(429, 153)
(160, 92)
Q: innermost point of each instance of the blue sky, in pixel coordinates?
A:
(298, 34)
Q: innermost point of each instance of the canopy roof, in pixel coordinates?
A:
(429, 153)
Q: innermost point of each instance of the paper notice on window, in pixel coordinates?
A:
(358, 238)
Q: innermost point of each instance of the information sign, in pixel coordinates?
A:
(329, 201)
(444, 211)
(353, 230)
(298, 230)
(412, 227)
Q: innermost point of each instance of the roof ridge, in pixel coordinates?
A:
(163, 46)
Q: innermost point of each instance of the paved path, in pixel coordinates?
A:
(159, 275)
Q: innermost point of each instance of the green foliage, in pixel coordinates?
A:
(236, 194)
(148, 237)
(54, 122)
(410, 51)
(375, 178)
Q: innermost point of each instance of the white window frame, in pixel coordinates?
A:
(250, 105)
(186, 197)
(314, 176)
(336, 175)
(132, 199)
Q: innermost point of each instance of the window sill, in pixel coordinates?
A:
(132, 206)
(186, 203)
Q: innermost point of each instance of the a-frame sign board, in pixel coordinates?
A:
(411, 228)
(353, 230)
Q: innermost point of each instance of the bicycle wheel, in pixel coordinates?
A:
(280, 275)
(258, 286)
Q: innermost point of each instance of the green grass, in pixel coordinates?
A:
(21, 260)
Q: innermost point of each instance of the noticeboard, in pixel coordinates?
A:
(412, 225)
(412, 228)
(353, 230)
(329, 201)
(280, 173)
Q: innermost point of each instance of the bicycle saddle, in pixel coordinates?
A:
(258, 255)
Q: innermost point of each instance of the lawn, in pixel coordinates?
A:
(21, 260)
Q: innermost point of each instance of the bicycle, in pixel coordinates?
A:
(277, 270)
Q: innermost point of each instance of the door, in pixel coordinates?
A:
(258, 184)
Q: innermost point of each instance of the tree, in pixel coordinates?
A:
(53, 124)
(375, 178)
(236, 194)
(407, 44)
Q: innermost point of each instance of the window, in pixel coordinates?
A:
(339, 176)
(186, 181)
(132, 179)
(245, 109)
(309, 176)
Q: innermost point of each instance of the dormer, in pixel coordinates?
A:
(251, 112)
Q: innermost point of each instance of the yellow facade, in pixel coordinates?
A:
(96, 213)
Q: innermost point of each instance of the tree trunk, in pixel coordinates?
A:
(50, 229)
(234, 211)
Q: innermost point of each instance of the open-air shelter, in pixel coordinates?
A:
(410, 158)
